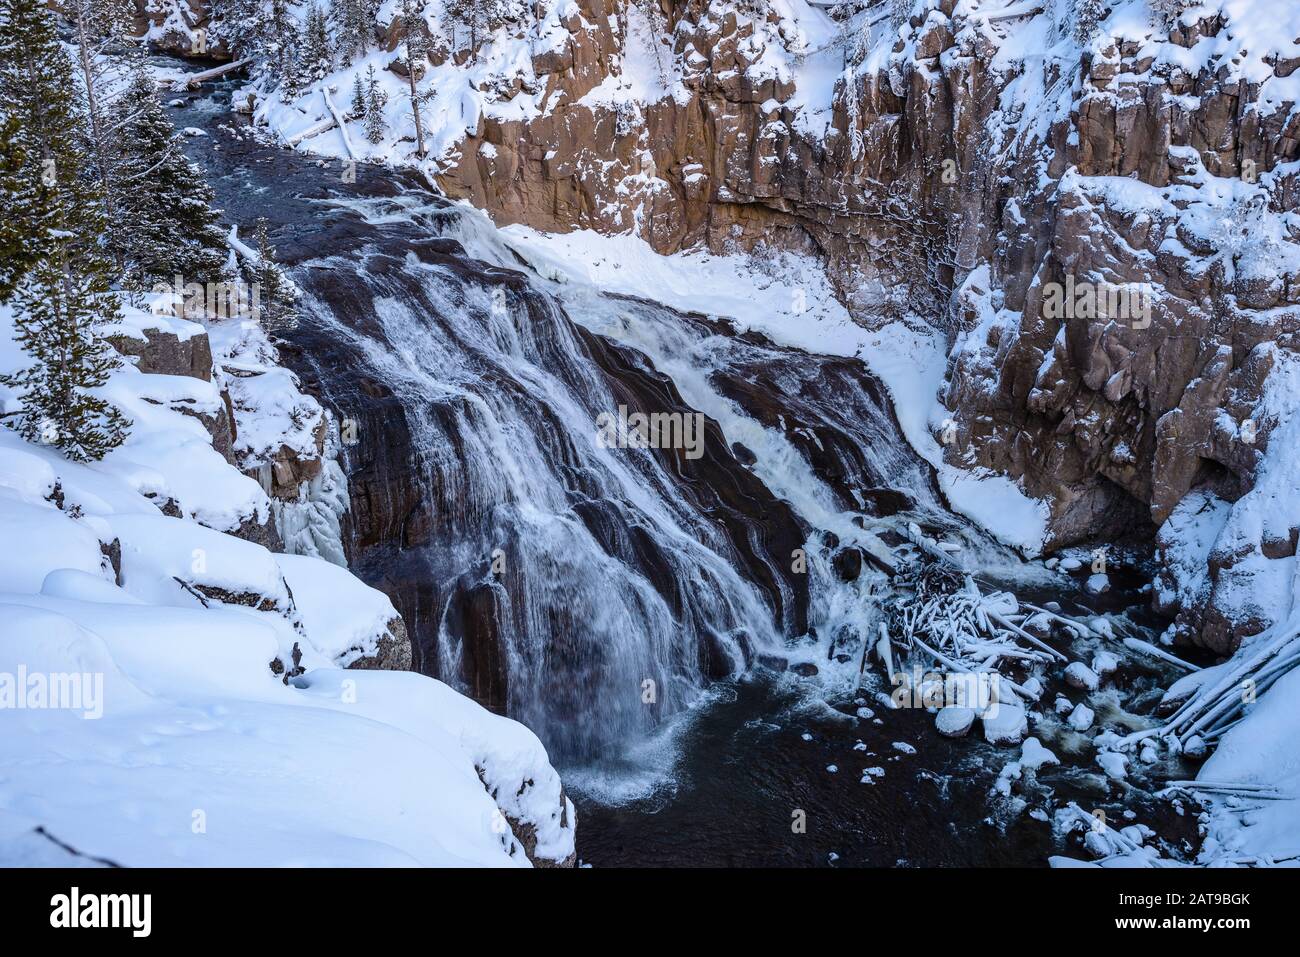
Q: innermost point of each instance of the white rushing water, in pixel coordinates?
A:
(501, 401)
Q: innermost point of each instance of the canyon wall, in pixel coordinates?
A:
(955, 173)
(963, 169)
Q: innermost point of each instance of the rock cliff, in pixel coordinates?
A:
(968, 164)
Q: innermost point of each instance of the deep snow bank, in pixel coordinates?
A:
(172, 694)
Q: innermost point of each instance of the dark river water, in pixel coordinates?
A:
(766, 770)
(745, 763)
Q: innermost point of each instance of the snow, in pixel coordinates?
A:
(1264, 750)
(1078, 675)
(180, 746)
(787, 297)
(912, 362)
(343, 616)
(1005, 720)
(1034, 756)
(954, 721)
(1080, 718)
(1114, 764)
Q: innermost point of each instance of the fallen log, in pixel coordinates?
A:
(316, 129)
(191, 80)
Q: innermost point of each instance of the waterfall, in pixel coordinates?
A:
(589, 592)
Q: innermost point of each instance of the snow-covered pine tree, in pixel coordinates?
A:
(317, 53)
(237, 24)
(280, 50)
(276, 295)
(358, 98)
(61, 309)
(1088, 15)
(477, 17)
(18, 209)
(47, 189)
(376, 125)
(168, 226)
(354, 27)
(100, 28)
(52, 207)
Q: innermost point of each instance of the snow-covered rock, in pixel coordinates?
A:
(1105, 663)
(1033, 755)
(954, 721)
(1078, 675)
(1097, 584)
(1114, 764)
(1005, 720)
(1080, 718)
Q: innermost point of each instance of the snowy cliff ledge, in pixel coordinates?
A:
(173, 692)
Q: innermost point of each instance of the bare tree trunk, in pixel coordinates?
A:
(93, 109)
(409, 19)
(415, 108)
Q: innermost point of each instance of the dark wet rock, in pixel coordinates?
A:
(743, 455)
(805, 669)
(717, 657)
(848, 563)
(474, 616)
(884, 502)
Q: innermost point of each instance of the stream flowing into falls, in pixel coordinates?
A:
(685, 632)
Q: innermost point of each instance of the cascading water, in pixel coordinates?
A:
(591, 592)
(589, 567)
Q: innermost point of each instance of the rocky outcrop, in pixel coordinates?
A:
(526, 834)
(164, 351)
(392, 651)
(182, 28)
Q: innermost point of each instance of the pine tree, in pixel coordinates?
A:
(475, 15)
(62, 300)
(1088, 15)
(280, 49)
(18, 209)
(59, 320)
(317, 56)
(354, 26)
(169, 227)
(242, 25)
(101, 27)
(276, 295)
(358, 97)
(47, 188)
(376, 126)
